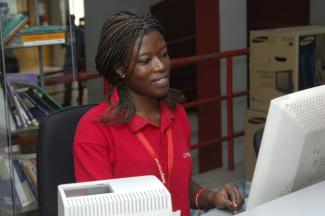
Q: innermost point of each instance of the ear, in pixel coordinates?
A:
(120, 72)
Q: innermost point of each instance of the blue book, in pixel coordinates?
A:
(47, 100)
(31, 184)
(39, 101)
(20, 172)
(37, 111)
(25, 109)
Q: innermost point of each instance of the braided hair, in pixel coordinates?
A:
(117, 39)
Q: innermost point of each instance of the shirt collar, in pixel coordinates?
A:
(137, 122)
(166, 117)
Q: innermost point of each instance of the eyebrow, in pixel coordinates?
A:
(146, 53)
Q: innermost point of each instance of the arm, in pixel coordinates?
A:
(228, 196)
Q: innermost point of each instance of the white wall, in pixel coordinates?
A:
(233, 30)
(317, 15)
(96, 13)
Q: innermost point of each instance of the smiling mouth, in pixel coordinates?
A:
(162, 82)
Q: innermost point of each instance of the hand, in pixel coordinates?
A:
(228, 196)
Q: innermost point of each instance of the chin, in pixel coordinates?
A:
(162, 92)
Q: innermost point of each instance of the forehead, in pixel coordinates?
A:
(151, 42)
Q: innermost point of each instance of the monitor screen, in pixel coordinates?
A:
(292, 151)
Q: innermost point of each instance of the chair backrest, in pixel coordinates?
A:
(54, 155)
(257, 139)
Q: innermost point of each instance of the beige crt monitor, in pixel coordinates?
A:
(292, 152)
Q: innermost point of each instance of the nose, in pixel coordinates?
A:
(158, 65)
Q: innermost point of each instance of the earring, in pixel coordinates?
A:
(123, 75)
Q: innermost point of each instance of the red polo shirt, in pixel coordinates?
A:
(105, 152)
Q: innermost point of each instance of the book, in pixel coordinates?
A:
(18, 105)
(39, 101)
(28, 78)
(12, 123)
(11, 25)
(3, 121)
(23, 197)
(28, 104)
(43, 29)
(43, 35)
(13, 109)
(5, 110)
(34, 101)
(49, 100)
(31, 178)
(27, 163)
(43, 39)
(25, 111)
(38, 112)
(41, 94)
(27, 189)
(27, 170)
(6, 193)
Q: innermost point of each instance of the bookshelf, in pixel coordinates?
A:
(37, 40)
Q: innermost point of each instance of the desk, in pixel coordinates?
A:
(307, 201)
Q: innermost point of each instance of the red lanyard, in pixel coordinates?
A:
(154, 155)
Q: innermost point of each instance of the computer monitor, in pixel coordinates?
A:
(292, 152)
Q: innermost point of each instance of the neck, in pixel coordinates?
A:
(146, 107)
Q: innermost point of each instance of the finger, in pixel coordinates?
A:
(228, 203)
(237, 195)
(232, 192)
(240, 199)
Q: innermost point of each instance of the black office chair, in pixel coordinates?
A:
(54, 156)
(257, 140)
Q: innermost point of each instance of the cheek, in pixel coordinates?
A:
(137, 82)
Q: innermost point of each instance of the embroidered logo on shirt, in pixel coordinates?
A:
(186, 155)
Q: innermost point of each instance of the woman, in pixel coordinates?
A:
(141, 129)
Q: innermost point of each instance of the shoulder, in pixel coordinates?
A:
(92, 116)
(181, 116)
(89, 128)
(180, 111)
(95, 112)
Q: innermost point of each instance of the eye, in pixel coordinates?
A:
(143, 61)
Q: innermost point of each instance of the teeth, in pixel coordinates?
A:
(161, 81)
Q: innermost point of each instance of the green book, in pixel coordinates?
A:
(42, 29)
(12, 25)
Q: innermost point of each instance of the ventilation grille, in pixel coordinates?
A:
(133, 203)
(309, 112)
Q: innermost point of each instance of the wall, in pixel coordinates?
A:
(233, 28)
(96, 12)
(317, 16)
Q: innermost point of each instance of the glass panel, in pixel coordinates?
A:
(37, 44)
(6, 187)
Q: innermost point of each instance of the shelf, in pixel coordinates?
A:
(24, 130)
(20, 45)
(17, 45)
